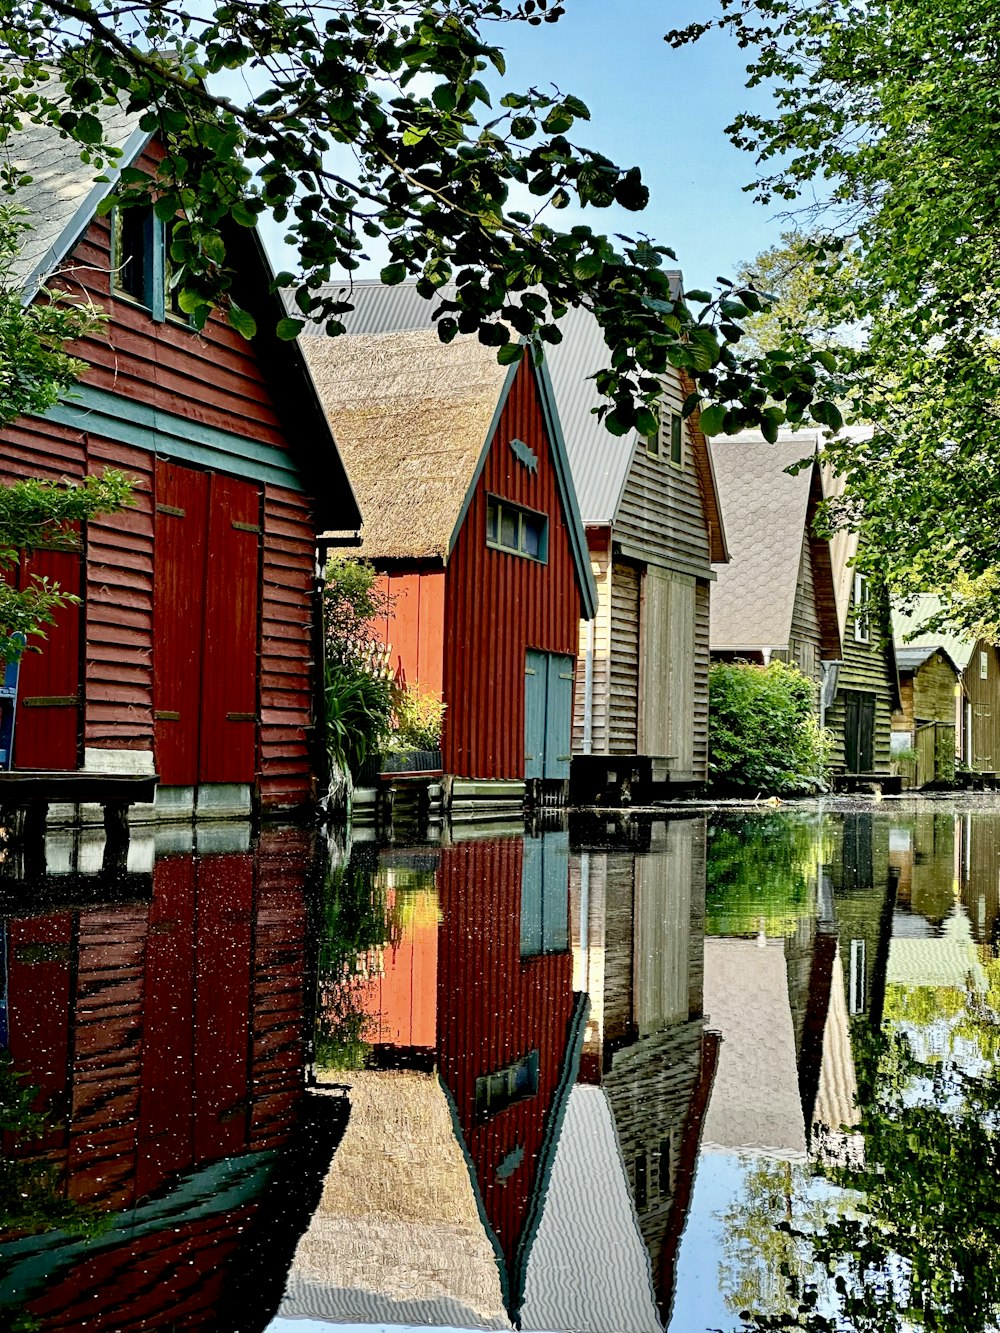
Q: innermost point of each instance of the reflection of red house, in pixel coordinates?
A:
(166, 1039)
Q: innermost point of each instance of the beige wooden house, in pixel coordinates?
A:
(654, 529)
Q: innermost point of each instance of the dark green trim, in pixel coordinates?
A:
(157, 271)
(168, 436)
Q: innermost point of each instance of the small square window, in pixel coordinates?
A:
(519, 531)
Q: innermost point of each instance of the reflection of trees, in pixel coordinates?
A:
(761, 872)
(917, 1247)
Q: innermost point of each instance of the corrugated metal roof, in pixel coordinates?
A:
(599, 460)
(764, 511)
(908, 658)
(908, 634)
(63, 190)
(588, 1267)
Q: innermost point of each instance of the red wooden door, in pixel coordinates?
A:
(47, 732)
(206, 608)
(179, 614)
(229, 665)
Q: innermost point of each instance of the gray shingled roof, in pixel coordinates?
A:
(599, 461)
(63, 194)
(764, 511)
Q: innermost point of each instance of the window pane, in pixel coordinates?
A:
(508, 529)
(676, 453)
(132, 252)
(531, 535)
(491, 522)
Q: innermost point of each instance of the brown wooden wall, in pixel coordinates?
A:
(934, 690)
(599, 541)
(805, 614)
(497, 605)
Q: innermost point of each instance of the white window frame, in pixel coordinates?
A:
(519, 514)
(984, 664)
(862, 612)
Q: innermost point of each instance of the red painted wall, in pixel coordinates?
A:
(216, 379)
(413, 630)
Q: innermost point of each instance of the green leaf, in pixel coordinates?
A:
(510, 353)
(712, 419)
(827, 360)
(696, 294)
(444, 97)
(393, 274)
(587, 267)
(289, 329)
(242, 321)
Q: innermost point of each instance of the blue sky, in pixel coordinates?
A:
(651, 106)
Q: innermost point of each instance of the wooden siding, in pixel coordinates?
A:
(287, 666)
(984, 698)
(666, 679)
(600, 564)
(623, 673)
(805, 614)
(661, 517)
(413, 629)
(934, 686)
(49, 703)
(868, 667)
(497, 605)
(702, 662)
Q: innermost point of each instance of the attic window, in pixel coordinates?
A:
(668, 442)
(984, 665)
(515, 530)
(141, 261)
(862, 609)
(495, 1092)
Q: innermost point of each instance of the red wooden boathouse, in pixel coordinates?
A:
(191, 653)
(470, 514)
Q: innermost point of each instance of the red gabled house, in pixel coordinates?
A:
(191, 654)
(470, 515)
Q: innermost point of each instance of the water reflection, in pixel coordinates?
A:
(152, 1080)
(626, 1075)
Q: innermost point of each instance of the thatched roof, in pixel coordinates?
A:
(398, 1236)
(412, 417)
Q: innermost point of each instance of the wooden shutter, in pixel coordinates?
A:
(534, 713)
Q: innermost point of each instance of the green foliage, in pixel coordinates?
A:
(35, 369)
(761, 873)
(418, 720)
(360, 693)
(35, 513)
(373, 122)
(763, 733)
(882, 131)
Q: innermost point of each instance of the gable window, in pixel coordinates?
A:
(862, 609)
(668, 442)
(495, 1092)
(516, 530)
(140, 243)
(984, 665)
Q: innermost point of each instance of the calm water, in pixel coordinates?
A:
(724, 1074)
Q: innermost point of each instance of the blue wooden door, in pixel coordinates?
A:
(558, 715)
(535, 674)
(545, 895)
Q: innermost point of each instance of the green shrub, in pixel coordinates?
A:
(419, 720)
(763, 732)
(361, 694)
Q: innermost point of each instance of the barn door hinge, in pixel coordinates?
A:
(241, 717)
(51, 701)
(245, 527)
(172, 510)
(165, 715)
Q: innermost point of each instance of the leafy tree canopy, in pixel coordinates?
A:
(882, 137)
(373, 120)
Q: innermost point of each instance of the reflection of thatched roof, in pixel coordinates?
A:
(397, 1236)
(411, 416)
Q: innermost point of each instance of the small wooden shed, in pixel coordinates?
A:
(471, 516)
(776, 598)
(926, 723)
(191, 654)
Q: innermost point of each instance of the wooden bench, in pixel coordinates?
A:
(26, 794)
